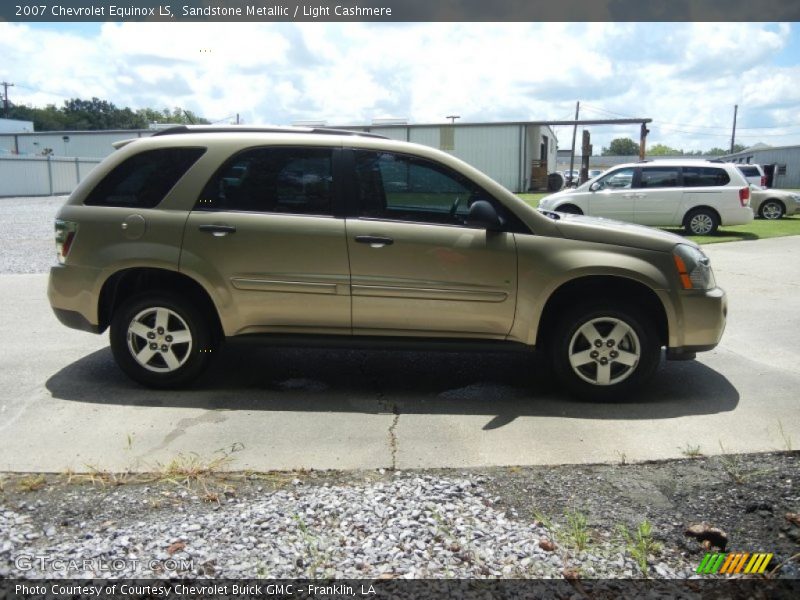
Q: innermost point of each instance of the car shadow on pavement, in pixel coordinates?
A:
(502, 385)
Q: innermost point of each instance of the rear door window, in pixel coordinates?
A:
(704, 176)
(143, 180)
(290, 180)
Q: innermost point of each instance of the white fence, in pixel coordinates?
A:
(42, 175)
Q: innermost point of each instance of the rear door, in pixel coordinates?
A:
(658, 195)
(264, 237)
(416, 268)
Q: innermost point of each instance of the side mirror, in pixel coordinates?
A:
(595, 186)
(483, 215)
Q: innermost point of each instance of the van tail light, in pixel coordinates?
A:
(65, 235)
(764, 181)
(744, 196)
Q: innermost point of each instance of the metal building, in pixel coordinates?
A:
(786, 161)
(84, 144)
(519, 155)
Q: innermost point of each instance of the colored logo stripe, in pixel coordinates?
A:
(734, 562)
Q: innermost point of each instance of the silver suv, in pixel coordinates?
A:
(179, 241)
(696, 195)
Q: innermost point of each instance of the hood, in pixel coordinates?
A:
(608, 231)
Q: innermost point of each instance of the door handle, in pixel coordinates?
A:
(217, 230)
(374, 240)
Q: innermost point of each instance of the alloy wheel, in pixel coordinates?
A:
(604, 351)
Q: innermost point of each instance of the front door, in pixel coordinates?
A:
(613, 196)
(416, 268)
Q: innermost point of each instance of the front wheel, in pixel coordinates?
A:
(605, 352)
(160, 340)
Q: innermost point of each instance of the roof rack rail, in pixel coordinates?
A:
(233, 129)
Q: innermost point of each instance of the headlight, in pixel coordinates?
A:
(693, 268)
(795, 197)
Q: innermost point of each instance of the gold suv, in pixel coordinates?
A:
(180, 240)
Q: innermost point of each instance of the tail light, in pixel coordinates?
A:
(763, 181)
(65, 235)
(744, 196)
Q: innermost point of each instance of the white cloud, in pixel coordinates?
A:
(685, 76)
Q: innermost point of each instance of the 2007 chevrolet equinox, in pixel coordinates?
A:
(182, 239)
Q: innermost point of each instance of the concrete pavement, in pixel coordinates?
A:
(65, 405)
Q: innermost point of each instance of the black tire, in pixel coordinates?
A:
(585, 380)
(187, 359)
(771, 209)
(570, 209)
(701, 221)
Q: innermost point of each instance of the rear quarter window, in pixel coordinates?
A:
(750, 171)
(144, 179)
(704, 176)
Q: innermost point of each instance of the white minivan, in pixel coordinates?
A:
(697, 195)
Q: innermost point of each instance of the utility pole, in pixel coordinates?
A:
(5, 85)
(574, 133)
(453, 118)
(643, 131)
(733, 133)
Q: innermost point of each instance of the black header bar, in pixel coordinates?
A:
(398, 10)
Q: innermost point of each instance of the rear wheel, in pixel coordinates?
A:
(701, 221)
(771, 209)
(160, 340)
(604, 352)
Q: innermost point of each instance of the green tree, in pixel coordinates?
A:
(97, 114)
(723, 151)
(621, 147)
(663, 150)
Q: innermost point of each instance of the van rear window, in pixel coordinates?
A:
(704, 176)
(143, 180)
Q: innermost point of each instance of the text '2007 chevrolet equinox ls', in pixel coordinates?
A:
(180, 240)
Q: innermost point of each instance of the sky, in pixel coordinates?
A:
(687, 77)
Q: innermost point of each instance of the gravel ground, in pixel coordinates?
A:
(28, 222)
(537, 522)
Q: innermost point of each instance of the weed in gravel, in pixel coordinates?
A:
(543, 520)
(31, 483)
(641, 544)
(690, 451)
(185, 469)
(318, 558)
(577, 533)
(623, 459)
(2, 484)
(732, 464)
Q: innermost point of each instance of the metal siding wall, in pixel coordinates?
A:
(65, 178)
(428, 136)
(86, 145)
(31, 176)
(23, 177)
(492, 149)
(6, 144)
(393, 133)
